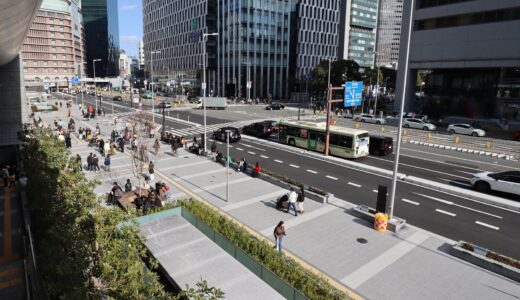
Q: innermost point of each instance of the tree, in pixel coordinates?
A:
(341, 71)
(203, 292)
(139, 156)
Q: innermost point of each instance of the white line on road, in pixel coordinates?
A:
(354, 184)
(487, 225)
(461, 206)
(220, 143)
(251, 152)
(240, 149)
(410, 201)
(435, 199)
(263, 156)
(375, 191)
(330, 177)
(249, 146)
(295, 166)
(311, 171)
(278, 161)
(445, 212)
(464, 172)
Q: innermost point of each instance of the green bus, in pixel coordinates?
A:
(343, 142)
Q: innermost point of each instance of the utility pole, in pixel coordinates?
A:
(95, 83)
(228, 161)
(151, 79)
(204, 40)
(329, 98)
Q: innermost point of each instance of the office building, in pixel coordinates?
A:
(388, 33)
(471, 51)
(124, 64)
(53, 50)
(358, 28)
(140, 55)
(101, 36)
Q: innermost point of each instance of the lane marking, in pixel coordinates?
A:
(330, 177)
(253, 147)
(263, 156)
(354, 184)
(311, 171)
(487, 225)
(220, 143)
(375, 191)
(464, 172)
(461, 206)
(251, 152)
(410, 201)
(278, 161)
(294, 166)
(445, 212)
(435, 199)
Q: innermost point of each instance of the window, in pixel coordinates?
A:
(317, 136)
(340, 140)
(493, 16)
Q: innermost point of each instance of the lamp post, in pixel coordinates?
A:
(95, 85)
(377, 82)
(151, 82)
(204, 39)
(400, 126)
(248, 83)
(228, 161)
(329, 98)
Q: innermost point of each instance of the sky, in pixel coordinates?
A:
(130, 25)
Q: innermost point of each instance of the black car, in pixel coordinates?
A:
(117, 98)
(220, 134)
(164, 105)
(381, 145)
(260, 129)
(274, 106)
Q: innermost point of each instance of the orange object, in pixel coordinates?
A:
(380, 222)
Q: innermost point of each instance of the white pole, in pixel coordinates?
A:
(151, 87)
(204, 87)
(227, 167)
(400, 126)
(95, 86)
(377, 91)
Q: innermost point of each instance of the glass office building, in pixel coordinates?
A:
(389, 32)
(101, 36)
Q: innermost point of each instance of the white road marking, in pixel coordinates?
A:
(311, 171)
(375, 191)
(249, 146)
(220, 143)
(240, 149)
(278, 161)
(410, 201)
(445, 212)
(251, 152)
(354, 184)
(435, 199)
(461, 206)
(330, 177)
(487, 225)
(295, 166)
(464, 172)
(263, 156)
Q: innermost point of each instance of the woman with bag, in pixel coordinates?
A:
(151, 170)
(279, 233)
(301, 198)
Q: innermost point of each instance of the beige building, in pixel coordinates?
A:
(53, 51)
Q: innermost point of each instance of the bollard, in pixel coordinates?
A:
(405, 133)
(457, 140)
(357, 125)
(383, 129)
(489, 144)
(429, 136)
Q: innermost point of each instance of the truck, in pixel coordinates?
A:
(213, 102)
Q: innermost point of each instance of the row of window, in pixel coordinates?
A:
(48, 70)
(318, 136)
(494, 16)
(431, 3)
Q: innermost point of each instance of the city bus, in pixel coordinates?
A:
(343, 142)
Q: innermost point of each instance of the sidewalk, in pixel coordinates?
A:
(411, 264)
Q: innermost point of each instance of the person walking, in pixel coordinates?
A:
(175, 146)
(241, 165)
(151, 170)
(122, 144)
(292, 202)
(89, 162)
(117, 193)
(68, 141)
(78, 161)
(156, 146)
(128, 186)
(279, 233)
(106, 148)
(107, 163)
(301, 198)
(101, 146)
(256, 170)
(98, 129)
(95, 163)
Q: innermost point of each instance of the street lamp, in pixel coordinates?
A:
(400, 126)
(248, 83)
(204, 39)
(151, 79)
(95, 85)
(378, 68)
(329, 98)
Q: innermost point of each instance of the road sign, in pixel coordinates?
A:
(353, 93)
(74, 80)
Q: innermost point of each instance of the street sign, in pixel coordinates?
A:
(353, 93)
(74, 80)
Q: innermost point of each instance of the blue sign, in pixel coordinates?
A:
(74, 80)
(353, 93)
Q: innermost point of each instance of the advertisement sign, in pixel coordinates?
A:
(353, 93)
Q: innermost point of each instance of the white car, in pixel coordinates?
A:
(465, 129)
(508, 182)
(418, 124)
(369, 119)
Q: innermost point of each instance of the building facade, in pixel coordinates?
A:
(53, 51)
(140, 55)
(101, 36)
(358, 26)
(124, 64)
(471, 50)
(389, 32)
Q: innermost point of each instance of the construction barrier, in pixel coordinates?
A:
(380, 222)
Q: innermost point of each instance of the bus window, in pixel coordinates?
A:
(344, 141)
(293, 131)
(317, 136)
(303, 133)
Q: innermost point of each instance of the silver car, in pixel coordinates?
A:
(369, 119)
(418, 124)
(465, 129)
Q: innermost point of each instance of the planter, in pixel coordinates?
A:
(367, 213)
(480, 256)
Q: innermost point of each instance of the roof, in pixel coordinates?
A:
(321, 126)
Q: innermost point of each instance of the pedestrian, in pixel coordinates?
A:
(98, 129)
(5, 175)
(122, 144)
(213, 147)
(106, 148)
(156, 146)
(279, 233)
(101, 146)
(89, 162)
(292, 202)
(107, 163)
(241, 165)
(116, 193)
(68, 142)
(301, 198)
(128, 186)
(78, 161)
(151, 170)
(256, 170)
(175, 146)
(95, 163)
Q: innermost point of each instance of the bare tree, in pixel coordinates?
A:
(139, 154)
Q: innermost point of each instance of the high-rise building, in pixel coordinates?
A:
(53, 50)
(471, 51)
(101, 36)
(140, 55)
(124, 64)
(389, 32)
(358, 27)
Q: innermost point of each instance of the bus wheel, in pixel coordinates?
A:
(292, 142)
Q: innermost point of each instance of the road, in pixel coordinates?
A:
(448, 215)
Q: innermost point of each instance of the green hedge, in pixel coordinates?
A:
(308, 283)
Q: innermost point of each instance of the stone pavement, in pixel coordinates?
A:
(410, 264)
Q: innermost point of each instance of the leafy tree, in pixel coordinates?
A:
(341, 71)
(203, 292)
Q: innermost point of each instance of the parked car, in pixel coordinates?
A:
(220, 134)
(274, 106)
(164, 105)
(117, 98)
(465, 129)
(418, 124)
(147, 95)
(260, 129)
(508, 182)
(369, 119)
(381, 145)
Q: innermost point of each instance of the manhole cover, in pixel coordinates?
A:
(362, 241)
